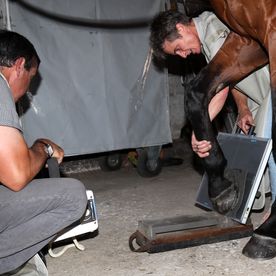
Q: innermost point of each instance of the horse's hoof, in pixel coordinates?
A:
(260, 247)
(226, 200)
(231, 197)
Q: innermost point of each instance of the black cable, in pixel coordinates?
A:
(86, 22)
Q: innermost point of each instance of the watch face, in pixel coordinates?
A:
(47, 148)
(50, 150)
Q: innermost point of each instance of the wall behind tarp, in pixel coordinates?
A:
(98, 89)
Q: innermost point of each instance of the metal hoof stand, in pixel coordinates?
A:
(154, 236)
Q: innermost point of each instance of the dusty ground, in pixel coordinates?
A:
(123, 197)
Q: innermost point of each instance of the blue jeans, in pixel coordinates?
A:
(271, 162)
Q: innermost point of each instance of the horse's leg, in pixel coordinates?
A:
(237, 58)
(262, 244)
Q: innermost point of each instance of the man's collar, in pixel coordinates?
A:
(4, 78)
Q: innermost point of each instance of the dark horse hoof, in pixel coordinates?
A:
(260, 247)
(226, 200)
(232, 196)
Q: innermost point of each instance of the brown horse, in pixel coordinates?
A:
(248, 47)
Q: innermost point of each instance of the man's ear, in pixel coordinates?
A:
(179, 27)
(19, 65)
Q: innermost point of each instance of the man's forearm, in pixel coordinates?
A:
(240, 100)
(245, 118)
(217, 103)
(38, 157)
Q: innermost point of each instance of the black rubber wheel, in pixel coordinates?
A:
(146, 168)
(111, 162)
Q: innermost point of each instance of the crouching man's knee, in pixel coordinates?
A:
(75, 197)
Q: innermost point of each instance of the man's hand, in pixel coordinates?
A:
(245, 120)
(201, 148)
(58, 152)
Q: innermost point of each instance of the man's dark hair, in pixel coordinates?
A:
(163, 27)
(14, 46)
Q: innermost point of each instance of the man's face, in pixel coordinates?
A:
(188, 42)
(21, 80)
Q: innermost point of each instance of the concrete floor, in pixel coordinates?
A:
(122, 198)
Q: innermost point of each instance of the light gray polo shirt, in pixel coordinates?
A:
(8, 113)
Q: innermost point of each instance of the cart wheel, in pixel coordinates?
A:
(146, 167)
(111, 162)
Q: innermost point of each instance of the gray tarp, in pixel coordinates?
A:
(99, 90)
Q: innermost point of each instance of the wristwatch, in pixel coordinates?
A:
(48, 149)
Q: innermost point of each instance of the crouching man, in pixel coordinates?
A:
(32, 212)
